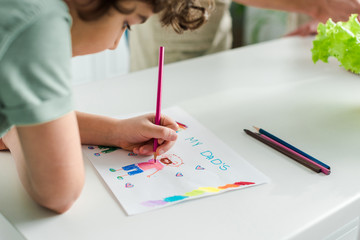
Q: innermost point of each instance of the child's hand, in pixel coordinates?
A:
(137, 134)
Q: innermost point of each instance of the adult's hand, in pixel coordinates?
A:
(309, 28)
(321, 10)
(338, 10)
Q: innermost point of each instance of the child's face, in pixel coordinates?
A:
(105, 33)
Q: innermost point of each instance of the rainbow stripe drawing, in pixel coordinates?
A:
(198, 165)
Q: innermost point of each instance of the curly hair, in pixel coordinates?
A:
(182, 15)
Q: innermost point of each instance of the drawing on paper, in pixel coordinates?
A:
(129, 185)
(193, 193)
(181, 127)
(104, 149)
(198, 165)
(164, 160)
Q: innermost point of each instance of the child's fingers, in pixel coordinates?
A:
(160, 141)
(161, 132)
(164, 147)
(164, 121)
(168, 122)
(146, 149)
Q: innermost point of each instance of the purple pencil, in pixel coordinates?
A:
(158, 100)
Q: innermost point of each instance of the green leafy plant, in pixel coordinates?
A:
(340, 40)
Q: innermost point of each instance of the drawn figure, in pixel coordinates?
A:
(108, 149)
(165, 160)
(105, 149)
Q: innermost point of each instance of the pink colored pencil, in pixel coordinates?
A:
(323, 169)
(158, 100)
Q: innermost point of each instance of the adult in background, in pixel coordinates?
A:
(216, 35)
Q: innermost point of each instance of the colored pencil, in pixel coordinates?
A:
(283, 151)
(158, 99)
(262, 131)
(323, 169)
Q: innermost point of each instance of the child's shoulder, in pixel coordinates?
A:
(18, 15)
(27, 9)
(15, 14)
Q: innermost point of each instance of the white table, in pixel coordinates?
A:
(273, 85)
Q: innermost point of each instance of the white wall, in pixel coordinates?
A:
(100, 66)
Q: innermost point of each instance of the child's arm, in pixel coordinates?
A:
(49, 161)
(133, 134)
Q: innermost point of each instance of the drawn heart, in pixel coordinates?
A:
(132, 154)
(129, 185)
(179, 174)
(198, 167)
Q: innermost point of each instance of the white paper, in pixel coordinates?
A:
(8, 231)
(202, 165)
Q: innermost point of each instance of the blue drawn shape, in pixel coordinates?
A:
(179, 174)
(97, 154)
(91, 147)
(131, 154)
(175, 198)
(134, 167)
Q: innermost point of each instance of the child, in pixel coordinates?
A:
(37, 121)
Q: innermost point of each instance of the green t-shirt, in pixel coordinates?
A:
(35, 62)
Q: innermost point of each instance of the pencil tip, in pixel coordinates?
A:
(256, 128)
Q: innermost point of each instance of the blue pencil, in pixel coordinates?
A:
(262, 131)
